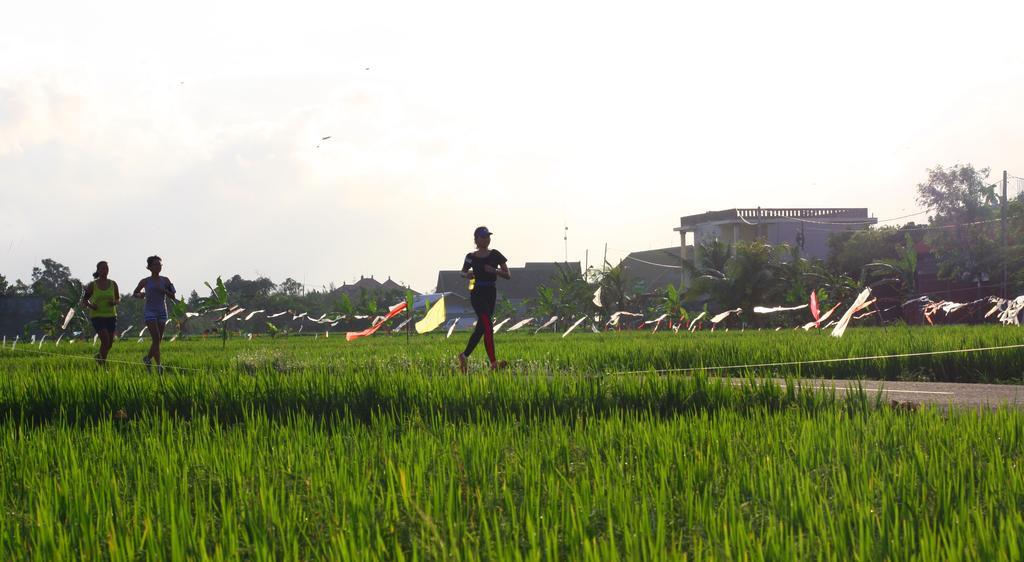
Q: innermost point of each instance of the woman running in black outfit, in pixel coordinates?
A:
(483, 267)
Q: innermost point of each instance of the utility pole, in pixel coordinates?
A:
(565, 238)
(605, 255)
(1002, 220)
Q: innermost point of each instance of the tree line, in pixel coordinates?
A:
(963, 232)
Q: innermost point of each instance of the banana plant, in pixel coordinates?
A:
(672, 304)
(179, 314)
(218, 299)
(218, 296)
(55, 311)
(900, 272)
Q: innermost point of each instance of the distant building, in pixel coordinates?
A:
(372, 286)
(651, 270)
(523, 285)
(17, 312)
(806, 229)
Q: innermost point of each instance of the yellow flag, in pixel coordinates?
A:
(434, 318)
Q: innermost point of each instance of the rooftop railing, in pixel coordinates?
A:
(807, 213)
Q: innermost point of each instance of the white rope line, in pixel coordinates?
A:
(644, 371)
(818, 361)
(92, 358)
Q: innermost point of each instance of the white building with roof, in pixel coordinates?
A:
(807, 229)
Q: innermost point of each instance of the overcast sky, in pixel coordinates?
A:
(191, 130)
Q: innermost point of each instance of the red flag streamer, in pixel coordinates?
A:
(815, 310)
(394, 311)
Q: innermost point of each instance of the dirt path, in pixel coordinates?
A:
(941, 393)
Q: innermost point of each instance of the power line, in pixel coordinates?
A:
(940, 227)
(655, 264)
(846, 222)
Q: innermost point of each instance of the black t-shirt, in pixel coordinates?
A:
(493, 259)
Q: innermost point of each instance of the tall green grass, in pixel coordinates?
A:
(596, 354)
(762, 485)
(79, 397)
(301, 449)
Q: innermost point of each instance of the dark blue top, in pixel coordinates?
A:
(483, 278)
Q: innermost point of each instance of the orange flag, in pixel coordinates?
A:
(369, 331)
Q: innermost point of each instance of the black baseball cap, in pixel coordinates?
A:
(481, 231)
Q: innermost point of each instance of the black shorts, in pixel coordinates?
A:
(108, 324)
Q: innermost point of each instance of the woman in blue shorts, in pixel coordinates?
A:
(101, 298)
(155, 289)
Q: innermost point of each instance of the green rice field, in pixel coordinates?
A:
(321, 449)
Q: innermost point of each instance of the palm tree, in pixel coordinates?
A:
(612, 282)
(751, 277)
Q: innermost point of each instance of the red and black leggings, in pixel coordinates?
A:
(483, 299)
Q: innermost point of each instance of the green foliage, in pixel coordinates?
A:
(714, 255)
(52, 320)
(218, 299)
(178, 314)
(504, 308)
(544, 305)
(62, 296)
(218, 296)
(19, 289)
(1014, 253)
(615, 294)
(245, 290)
(958, 193)
(850, 251)
(345, 305)
(961, 197)
(751, 278)
(672, 303)
(51, 280)
(570, 297)
(901, 271)
(290, 288)
(574, 295)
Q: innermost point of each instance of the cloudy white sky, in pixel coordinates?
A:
(190, 130)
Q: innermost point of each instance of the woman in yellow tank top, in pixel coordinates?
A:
(101, 298)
